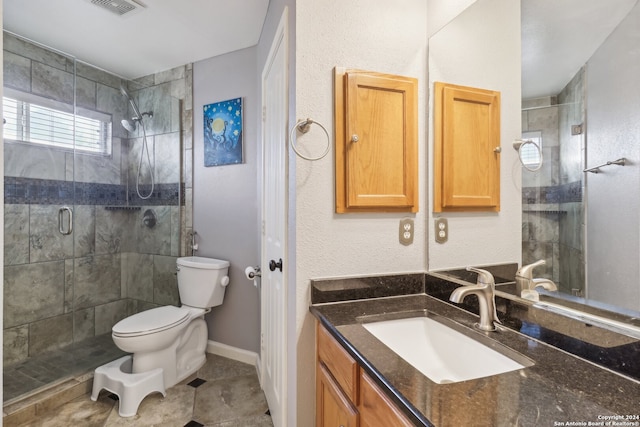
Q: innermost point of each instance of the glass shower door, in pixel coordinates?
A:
(552, 200)
(38, 108)
(80, 250)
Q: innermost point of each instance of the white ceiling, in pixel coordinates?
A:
(165, 34)
(559, 36)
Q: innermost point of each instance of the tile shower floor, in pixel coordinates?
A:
(223, 393)
(34, 373)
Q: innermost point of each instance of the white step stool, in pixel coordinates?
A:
(131, 388)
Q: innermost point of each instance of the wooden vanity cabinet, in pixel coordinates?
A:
(345, 395)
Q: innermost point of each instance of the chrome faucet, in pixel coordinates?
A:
(526, 284)
(484, 289)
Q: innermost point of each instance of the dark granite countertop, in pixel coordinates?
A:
(557, 390)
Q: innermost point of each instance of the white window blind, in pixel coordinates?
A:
(529, 153)
(32, 123)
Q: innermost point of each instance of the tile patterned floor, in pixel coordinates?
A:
(227, 395)
(25, 377)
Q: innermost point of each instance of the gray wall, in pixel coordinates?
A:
(613, 197)
(226, 204)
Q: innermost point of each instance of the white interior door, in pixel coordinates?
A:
(274, 210)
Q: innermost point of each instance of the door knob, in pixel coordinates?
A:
(273, 265)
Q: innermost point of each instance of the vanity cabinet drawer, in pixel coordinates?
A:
(333, 408)
(339, 363)
(376, 409)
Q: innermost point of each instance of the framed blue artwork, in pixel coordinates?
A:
(223, 133)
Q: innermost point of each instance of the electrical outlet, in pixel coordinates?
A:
(405, 232)
(442, 230)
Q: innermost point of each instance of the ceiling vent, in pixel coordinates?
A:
(120, 7)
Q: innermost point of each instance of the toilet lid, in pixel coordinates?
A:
(151, 321)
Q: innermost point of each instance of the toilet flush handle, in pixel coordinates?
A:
(224, 281)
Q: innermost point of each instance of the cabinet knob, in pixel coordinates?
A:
(497, 150)
(355, 138)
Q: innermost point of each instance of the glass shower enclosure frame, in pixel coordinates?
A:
(82, 248)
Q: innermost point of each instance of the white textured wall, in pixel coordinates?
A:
(371, 35)
(441, 12)
(481, 48)
(613, 200)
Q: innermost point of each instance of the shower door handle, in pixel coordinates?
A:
(61, 212)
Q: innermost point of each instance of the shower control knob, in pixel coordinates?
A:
(273, 265)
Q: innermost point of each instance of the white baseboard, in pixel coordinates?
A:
(235, 353)
(259, 369)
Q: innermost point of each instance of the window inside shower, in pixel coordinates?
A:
(57, 126)
(529, 153)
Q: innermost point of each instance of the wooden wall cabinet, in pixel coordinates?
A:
(376, 137)
(467, 149)
(345, 395)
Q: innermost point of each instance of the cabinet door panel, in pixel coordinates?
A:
(342, 366)
(376, 409)
(333, 409)
(467, 153)
(376, 142)
(377, 162)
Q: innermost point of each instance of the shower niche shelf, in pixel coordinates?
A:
(123, 208)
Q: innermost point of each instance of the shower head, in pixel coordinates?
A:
(129, 125)
(133, 104)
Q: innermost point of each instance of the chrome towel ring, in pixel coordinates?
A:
(303, 127)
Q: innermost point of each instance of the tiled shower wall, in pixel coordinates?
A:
(553, 212)
(62, 289)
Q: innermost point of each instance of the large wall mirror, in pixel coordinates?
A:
(581, 106)
(580, 88)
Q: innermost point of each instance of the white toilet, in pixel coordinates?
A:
(167, 343)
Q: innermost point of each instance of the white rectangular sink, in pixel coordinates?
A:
(441, 353)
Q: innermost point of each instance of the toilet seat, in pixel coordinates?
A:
(151, 321)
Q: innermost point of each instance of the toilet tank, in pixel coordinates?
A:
(202, 281)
